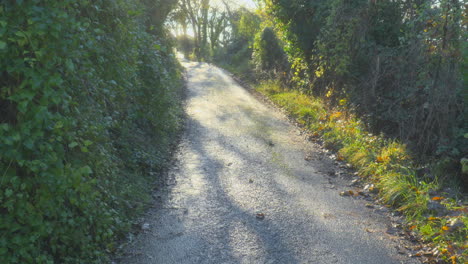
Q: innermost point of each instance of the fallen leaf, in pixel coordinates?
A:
(347, 193)
(340, 157)
(445, 228)
(454, 259)
(437, 198)
(432, 218)
(413, 227)
(381, 159)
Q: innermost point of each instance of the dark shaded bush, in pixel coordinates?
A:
(186, 45)
(269, 57)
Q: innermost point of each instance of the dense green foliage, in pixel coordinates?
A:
(268, 55)
(396, 63)
(89, 106)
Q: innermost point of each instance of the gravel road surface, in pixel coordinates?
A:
(248, 187)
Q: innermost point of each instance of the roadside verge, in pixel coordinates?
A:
(435, 216)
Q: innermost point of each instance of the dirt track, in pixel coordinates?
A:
(248, 187)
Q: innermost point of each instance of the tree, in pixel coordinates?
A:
(197, 13)
(217, 23)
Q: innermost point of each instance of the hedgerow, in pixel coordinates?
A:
(89, 106)
(398, 64)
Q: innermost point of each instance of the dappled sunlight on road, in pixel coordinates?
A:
(242, 192)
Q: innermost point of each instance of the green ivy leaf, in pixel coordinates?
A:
(86, 170)
(3, 251)
(69, 64)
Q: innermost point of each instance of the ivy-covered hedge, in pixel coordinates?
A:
(400, 65)
(89, 106)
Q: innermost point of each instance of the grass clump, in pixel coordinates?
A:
(440, 221)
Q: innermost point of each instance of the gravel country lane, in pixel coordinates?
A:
(243, 191)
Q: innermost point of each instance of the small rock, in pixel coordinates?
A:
(425, 252)
(145, 226)
(251, 181)
(455, 223)
(392, 231)
(355, 182)
(396, 213)
(260, 216)
(230, 163)
(401, 250)
(363, 194)
(370, 188)
(383, 209)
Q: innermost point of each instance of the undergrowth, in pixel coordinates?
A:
(441, 222)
